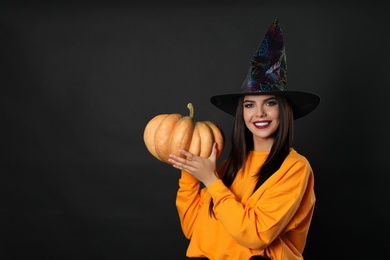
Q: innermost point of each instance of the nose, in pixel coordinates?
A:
(261, 113)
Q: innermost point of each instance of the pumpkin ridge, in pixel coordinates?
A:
(195, 141)
(206, 140)
(163, 135)
(182, 135)
(218, 135)
(150, 131)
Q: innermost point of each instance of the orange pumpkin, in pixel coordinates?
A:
(168, 133)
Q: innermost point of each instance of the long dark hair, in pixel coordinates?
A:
(242, 144)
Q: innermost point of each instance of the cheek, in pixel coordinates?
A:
(246, 116)
(246, 119)
(274, 112)
(277, 124)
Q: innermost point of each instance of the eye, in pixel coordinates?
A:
(248, 105)
(271, 103)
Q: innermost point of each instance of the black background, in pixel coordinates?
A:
(79, 82)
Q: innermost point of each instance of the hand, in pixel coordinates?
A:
(203, 169)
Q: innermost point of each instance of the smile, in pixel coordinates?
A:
(262, 124)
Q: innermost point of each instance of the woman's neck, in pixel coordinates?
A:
(263, 145)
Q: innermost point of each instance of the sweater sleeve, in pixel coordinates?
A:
(188, 202)
(257, 226)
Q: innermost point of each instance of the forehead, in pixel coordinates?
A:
(258, 97)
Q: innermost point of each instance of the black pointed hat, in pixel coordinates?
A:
(267, 76)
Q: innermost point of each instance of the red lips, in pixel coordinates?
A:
(262, 124)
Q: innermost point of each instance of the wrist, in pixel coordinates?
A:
(212, 179)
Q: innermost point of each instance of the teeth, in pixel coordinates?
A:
(262, 123)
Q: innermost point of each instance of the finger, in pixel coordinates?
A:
(183, 167)
(214, 151)
(190, 157)
(187, 154)
(176, 161)
(176, 158)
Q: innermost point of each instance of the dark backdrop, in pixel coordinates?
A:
(79, 82)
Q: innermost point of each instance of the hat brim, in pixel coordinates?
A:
(302, 102)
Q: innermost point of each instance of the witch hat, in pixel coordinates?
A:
(267, 76)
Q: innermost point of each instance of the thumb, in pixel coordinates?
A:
(214, 151)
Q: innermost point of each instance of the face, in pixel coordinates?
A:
(261, 116)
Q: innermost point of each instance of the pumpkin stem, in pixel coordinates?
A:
(191, 108)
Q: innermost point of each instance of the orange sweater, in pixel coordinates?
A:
(273, 222)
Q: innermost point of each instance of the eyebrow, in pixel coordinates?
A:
(265, 100)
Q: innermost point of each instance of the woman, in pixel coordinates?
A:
(260, 201)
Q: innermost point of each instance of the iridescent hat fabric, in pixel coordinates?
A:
(267, 75)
